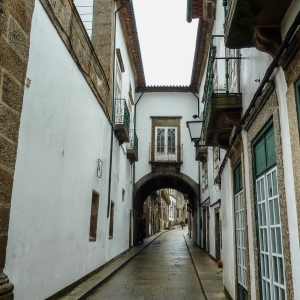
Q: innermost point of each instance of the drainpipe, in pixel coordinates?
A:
(134, 121)
(189, 11)
(113, 110)
(198, 102)
(199, 205)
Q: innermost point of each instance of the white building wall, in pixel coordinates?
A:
(182, 105)
(226, 215)
(63, 132)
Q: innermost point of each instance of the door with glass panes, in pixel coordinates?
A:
(166, 144)
(272, 273)
(240, 236)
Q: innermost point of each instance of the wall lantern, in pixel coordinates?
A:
(195, 127)
(99, 167)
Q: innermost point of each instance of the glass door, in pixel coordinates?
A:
(166, 144)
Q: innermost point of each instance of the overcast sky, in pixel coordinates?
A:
(167, 41)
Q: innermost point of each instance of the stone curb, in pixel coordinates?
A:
(195, 268)
(91, 284)
(205, 274)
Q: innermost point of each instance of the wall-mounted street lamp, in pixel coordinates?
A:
(195, 127)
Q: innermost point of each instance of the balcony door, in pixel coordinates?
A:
(166, 141)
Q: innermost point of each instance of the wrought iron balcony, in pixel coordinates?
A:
(222, 99)
(122, 121)
(132, 147)
(163, 154)
(254, 23)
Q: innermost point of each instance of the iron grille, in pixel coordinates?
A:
(122, 115)
(166, 153)
(133, 141)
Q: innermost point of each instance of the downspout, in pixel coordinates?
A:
(199, 205)
(113, 109)
(134, 122)
(198, 102)
(189, 11)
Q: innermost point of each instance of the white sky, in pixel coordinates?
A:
(167, 41)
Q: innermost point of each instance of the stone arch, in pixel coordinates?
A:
(165, 179)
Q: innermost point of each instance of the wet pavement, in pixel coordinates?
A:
(168, 265)
(163, 270)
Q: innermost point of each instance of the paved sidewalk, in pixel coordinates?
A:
(210, 276)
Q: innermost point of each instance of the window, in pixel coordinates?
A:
(130, 102)
(240, 234)
(204, 177)
(268, 218)
(118, 83)
(166, 142)
(123, 195)
(297, 92)
(111, 220)
(216, 155)
(94, 216)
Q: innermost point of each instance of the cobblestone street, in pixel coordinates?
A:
(163, 270)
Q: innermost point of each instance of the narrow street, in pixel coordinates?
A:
(163, 270)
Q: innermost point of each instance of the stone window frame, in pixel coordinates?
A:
(165, 121)
(267, 108)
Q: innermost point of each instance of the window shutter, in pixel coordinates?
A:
(238, 182)
(270, 148)
(264, 151)
(260, 156)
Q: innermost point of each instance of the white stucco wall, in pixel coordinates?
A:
(182, 105)
(227, 251)
(63, 132)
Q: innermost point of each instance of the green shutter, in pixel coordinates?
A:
(260, 156)
(270, 148)
(238, 181)
(264, 151)
(297, 92)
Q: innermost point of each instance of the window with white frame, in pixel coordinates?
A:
(271, 256)
(204, 177)
(216, 156)
(240, 236)
(118, 83)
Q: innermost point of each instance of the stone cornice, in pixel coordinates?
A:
(168, 88)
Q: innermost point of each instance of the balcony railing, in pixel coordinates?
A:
(212, 84)
(122, 120)
(122, 115)
(165, 154)
(132, 147)
(222, 98)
